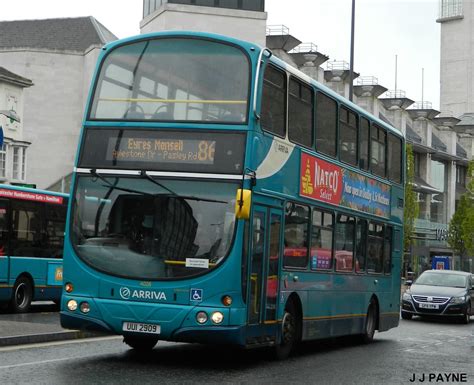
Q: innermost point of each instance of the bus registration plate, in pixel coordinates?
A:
(138, 327)
(429, 306)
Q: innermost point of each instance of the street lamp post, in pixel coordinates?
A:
(351, 70)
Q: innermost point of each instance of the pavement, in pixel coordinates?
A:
(41, 324)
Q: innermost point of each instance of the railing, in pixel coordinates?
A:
(450, 8)
(395, 94)
(422, 106)
(277, 30)
(337, 65)
(367, 81)
(305, 48)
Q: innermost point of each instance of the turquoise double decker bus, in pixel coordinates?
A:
(222, 196)
(32, 225)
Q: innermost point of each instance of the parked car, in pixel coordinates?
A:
(446, 293)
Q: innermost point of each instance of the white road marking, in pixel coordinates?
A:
(54, 343)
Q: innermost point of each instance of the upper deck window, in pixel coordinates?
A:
(300, 113)
(377, 150)
(173, 79)
(348, 136)
(326, 124)
(273, 117)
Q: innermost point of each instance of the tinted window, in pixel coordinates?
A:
(364, 144)
(296, 236)
(300, 113)
(326, 124)
(321, 240)
(27, 237)
(377, 150)
(388, 250)
(274, 101)
(55, 222)
(394, 158)
(348, 136)
(344, 243)
(375, 252)
(361, 245)
(173, 79)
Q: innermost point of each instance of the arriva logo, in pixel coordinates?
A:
(126, 293)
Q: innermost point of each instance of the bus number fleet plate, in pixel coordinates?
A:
(138, 327)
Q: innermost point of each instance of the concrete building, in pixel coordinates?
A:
(59, 56)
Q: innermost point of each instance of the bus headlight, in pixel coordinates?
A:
(201, 317)
(72, 305)
(217, 317)
(85, 308)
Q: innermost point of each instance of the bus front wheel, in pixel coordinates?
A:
(288, 332)
(141, 344)
(22, 295)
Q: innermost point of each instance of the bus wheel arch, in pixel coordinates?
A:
(22, 293)
(290, 328)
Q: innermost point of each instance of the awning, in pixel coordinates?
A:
(420, 185)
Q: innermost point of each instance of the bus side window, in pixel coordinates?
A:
(3, 228)
(375, 252)
(321, 240)
(55, 221)
(361, 245)
(273, 109)
(27, 239)
(296, 236)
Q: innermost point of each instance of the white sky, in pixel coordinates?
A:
(383, 29)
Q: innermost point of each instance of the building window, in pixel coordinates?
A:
(439, 180)
(461, 175)
(450, 8)
(3, 160)
(19, 160)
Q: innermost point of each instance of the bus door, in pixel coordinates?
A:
(264, 262)
(4, 260)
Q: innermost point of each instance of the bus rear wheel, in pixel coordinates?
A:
(370, 323)
(22, 295)
(288, 333)
(141, 344)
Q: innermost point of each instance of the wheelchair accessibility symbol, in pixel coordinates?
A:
(195, 295)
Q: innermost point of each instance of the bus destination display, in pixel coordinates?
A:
(161, 150)
(164, 150)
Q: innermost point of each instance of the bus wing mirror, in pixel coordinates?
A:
(243, 201)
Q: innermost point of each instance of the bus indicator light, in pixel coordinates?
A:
(68, 287)
(227, 300)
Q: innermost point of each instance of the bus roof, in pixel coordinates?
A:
(251, 46)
